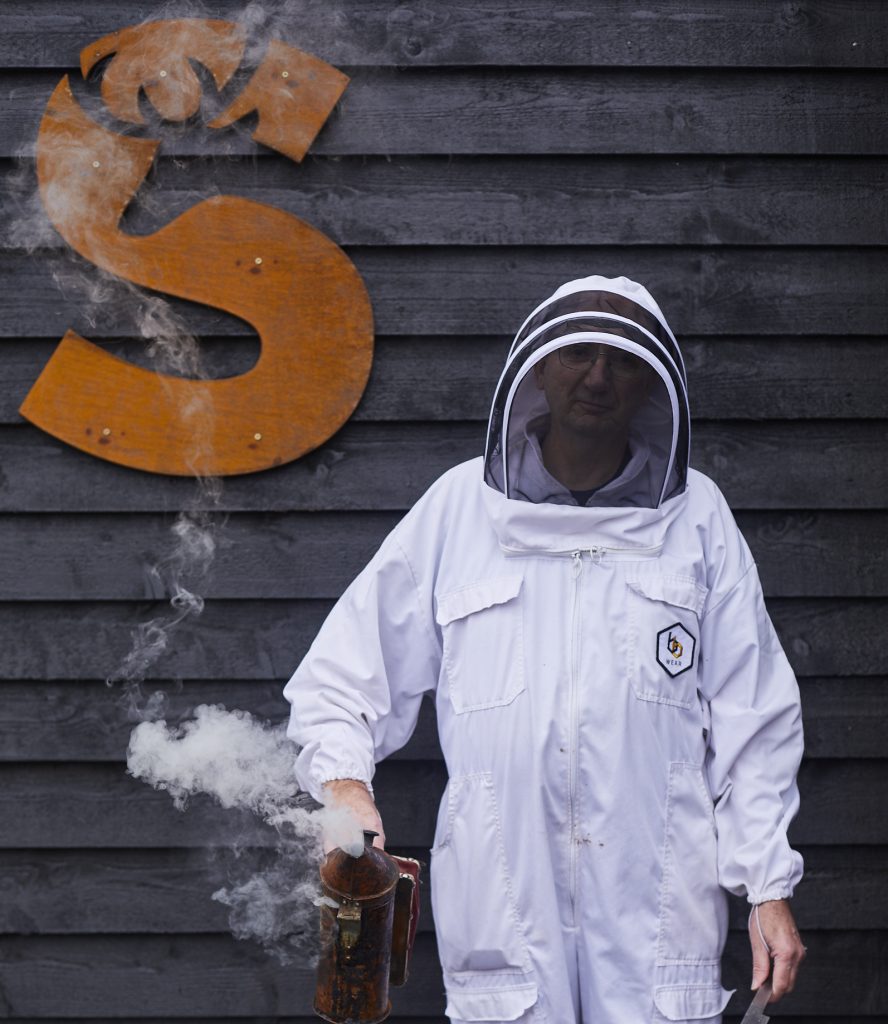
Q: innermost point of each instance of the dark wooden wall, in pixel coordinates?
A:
(729, 154)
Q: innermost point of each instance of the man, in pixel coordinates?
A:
(620, 725)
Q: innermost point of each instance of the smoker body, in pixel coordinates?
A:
(356, 936)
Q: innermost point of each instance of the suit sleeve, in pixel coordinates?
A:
(755, 743)
(356, 696)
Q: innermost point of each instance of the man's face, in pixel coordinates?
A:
(592, 400)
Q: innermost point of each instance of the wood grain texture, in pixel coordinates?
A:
(92, 722)
(265, 640)
(525, 200)
(727, 155)
(430, 111)
(60, 806)
(452, 291)
(316, 555)
(832, 465)
(819, 33)
(451, 379)
(99, 805)
(160, 976)
(169, 892)
(844, 718)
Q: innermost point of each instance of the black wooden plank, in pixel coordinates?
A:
(826, 638)
(544, 200)
(264, 640)
(94, 892)
(798, 465)
(322, 552)
(426, 111)
(370, 466)
(178, 976)
(99, 557)
(452, 379)
(801, 465)
(158, 976)
(827, 378)
(776, 466)
(57, 806)
(445, 291)
(90, 721)
(731, 34)
(844, 718)
(807, 465)
(74, 640)
(99, 805)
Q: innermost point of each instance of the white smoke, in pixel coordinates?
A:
(245, 764)
(236, 760)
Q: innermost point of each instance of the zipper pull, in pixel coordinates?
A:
(595, 553)
(577, 557)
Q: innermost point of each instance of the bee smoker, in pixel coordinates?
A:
(368, 922)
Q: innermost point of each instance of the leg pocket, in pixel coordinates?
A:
(690, 1004)
(476, 918)
(693, 906)
(495, 1006)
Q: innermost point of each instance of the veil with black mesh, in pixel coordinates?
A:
(663, 422)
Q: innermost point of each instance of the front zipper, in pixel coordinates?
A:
(597, 552)
(573, 738)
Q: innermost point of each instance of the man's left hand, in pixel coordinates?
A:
(785, 944)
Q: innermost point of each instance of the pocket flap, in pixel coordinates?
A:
(491, 1004)
(681, 591)
(691, 1002)
(476, 596)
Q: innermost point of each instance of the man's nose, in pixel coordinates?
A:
(598, 374)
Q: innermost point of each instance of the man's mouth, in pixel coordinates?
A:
(594, 406)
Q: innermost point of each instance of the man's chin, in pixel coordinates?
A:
(595, 426)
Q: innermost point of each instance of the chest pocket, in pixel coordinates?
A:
(664, 637)
(483, 640)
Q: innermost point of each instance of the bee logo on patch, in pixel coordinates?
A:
(675, 649)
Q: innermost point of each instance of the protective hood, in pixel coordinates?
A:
(623, 317)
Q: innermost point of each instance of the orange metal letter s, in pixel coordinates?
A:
(294, 285)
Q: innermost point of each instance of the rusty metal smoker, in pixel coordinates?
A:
(366, 940)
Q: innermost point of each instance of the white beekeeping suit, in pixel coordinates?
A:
(620, 725)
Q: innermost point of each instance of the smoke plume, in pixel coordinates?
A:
(244, 764)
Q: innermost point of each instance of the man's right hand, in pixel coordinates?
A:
(354, 797)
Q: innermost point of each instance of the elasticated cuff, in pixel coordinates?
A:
(780, 892)
(355, 774)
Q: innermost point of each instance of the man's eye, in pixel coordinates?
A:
(625, 361)
(580, 351)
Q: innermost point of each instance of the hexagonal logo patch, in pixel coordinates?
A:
(675, 649)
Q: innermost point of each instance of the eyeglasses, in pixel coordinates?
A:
(583, 356)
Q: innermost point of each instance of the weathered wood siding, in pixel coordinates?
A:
(730, 155)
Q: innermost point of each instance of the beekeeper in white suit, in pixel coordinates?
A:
(620, 725)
